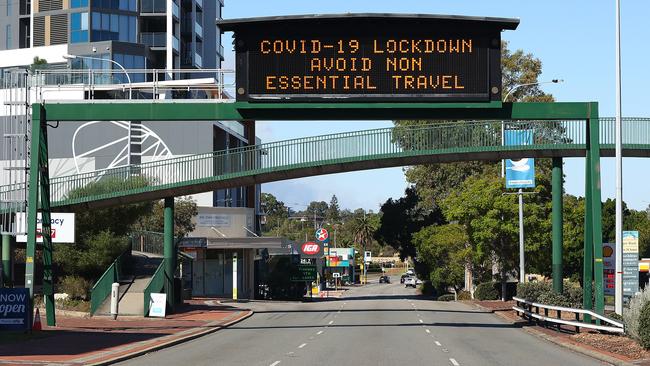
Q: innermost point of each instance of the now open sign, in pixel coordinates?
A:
(14, 309)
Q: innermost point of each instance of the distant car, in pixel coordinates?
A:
(418, 281)
(404, 276)
(410, 282)
(384, 279)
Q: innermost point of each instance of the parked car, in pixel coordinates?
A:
(410, 282)
(384, 279)
(404, 276)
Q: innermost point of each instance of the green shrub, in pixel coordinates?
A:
(632, 314)
(464, 295)
(446, 297)
(644, 326)
(76, 287)
(427, 289)
(531, 291)
(551, 298)
(487, 291)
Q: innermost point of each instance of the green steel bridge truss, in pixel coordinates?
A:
(472, 132)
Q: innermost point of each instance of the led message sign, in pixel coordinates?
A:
(356, 58)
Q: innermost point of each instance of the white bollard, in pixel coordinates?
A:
(115, 296)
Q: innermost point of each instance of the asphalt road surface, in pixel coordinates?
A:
(379, 324)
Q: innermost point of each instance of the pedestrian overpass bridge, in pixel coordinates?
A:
(337, 153)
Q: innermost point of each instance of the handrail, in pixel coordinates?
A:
(617, 327)
(103, 286)
(156, 284)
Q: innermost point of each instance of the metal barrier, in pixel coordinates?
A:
(149, 242)
(102, 287)
(158, 283)
(525, 308)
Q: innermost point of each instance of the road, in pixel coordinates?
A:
(378, 324)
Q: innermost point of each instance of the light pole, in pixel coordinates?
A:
(520, 194)
(128, 78)
(618, 289)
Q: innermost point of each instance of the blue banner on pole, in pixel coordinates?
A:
(14, 309)
(519, 173)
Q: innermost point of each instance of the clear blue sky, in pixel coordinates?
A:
(575, 40)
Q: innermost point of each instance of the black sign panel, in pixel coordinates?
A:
(304, 273)
(347, 59)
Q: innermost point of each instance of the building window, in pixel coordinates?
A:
(106, 27)
(78, 27)
(10, 9)
(8, 40)
(78, 3)
(127, 5)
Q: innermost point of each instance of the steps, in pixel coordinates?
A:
(133, 285)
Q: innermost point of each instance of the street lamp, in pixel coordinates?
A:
(618, 287)
(520, 194)
(128, 78)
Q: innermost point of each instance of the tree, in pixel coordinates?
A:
(445, 251)
(434, 182)
(363, 230)
(185, 209)
(333, 215)
(38, 64)
(403, 217)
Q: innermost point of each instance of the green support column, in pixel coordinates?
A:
(557, 220)
(32, 206)
(6, 260)
(588, 249)
(596, 207)
(44, 172)
(169, 251)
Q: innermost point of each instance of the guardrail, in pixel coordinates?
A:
(156, 284)
(103, 286)
(525, 308)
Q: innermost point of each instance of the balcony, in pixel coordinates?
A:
(153, 7)
(198, 29)
(154, 39)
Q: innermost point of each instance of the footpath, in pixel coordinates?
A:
(610, 349)
(102, 341)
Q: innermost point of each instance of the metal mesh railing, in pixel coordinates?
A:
(402, 141)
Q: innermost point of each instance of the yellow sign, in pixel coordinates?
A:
(30, 260)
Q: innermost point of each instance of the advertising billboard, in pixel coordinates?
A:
(519, 173)
(340, 257)
(62, 224)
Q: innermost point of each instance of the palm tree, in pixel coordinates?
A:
(363, 231)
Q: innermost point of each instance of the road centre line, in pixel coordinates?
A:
(454, 362)
(428, 331)
(438, 344)
(302, 345)
(421, 321)
(275, 363)
(319, 332)
(330, 323)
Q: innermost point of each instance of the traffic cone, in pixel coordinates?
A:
(37, 321)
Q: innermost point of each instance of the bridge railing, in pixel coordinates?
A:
(401, 141)
(449, 137)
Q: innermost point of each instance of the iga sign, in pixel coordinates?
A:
(63, 227)
(311, 249)
(14, 309)
(369, 57)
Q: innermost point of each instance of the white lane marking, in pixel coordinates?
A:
(302, 345)
(421, 321)
(319, 332)
(454, 362)
(428, 331)
(438, 343)
(331, 321)
(445, 350)
(275, 363)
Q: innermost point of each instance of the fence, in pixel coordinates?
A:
(103, 286)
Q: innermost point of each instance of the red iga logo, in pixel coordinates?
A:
(310, 248)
